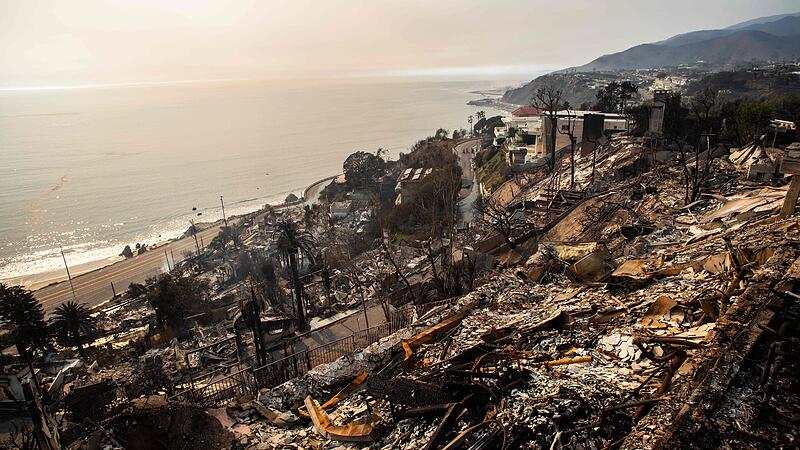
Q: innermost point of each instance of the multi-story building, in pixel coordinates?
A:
(528, 141)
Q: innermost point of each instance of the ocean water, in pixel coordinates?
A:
(94, 169)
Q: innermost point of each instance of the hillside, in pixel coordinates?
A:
(748, 84)
(738, 47)
(766, 19)
(577, 87)
(758, 40)
(784, 26)
(773, 38)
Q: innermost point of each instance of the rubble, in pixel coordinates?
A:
(630, 319)
(353, 432)
(555, 355)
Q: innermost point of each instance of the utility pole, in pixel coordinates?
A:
(69, 277)
(194, 233)
(223, 211)
(572, 117)
(166, 256)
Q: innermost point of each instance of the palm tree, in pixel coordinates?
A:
(20, 310)
(291, 241)
(73, 324)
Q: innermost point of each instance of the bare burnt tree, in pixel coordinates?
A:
(359, 278)
(696, 164)
(23, 437)
(436, 206)
(570, 132)
(469, 266)
(680, 132)
(594, 159)
(340, 252)
(325, 273)
(435, 210)
(447, 276)
(397, 269)
(548, 100)
(696, 167)
(355, 276)
(438, 278)
(508, 223)
(704, 107)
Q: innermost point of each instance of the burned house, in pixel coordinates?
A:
(754, 161)
(407, 181)
(340, 210)
(528, 141)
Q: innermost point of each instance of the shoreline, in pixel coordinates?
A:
(41, 280)
(495, 103)
(313, 190)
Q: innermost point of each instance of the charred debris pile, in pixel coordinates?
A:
(622, 316)
(633, 320)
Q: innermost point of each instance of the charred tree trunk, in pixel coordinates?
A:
(398, 270)
(297, 289)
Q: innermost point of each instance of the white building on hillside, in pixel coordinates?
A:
(527, 137)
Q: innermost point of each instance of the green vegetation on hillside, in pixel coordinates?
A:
(493, 170)
(432, 205)
(749, 83)
(576, 88)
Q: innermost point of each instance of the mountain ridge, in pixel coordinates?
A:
(757, 40)
(745, 42)
(764, 19)
(785, 26)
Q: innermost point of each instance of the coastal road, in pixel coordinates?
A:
(465, 151)
(94, 287)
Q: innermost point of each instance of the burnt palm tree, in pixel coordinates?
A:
(73, 325)
(20, 310)
(293, 241)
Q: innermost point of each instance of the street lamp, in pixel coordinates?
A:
(223, 211)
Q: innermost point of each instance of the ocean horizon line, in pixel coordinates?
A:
(431, 74)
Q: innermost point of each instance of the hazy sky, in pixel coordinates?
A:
(53, 42)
